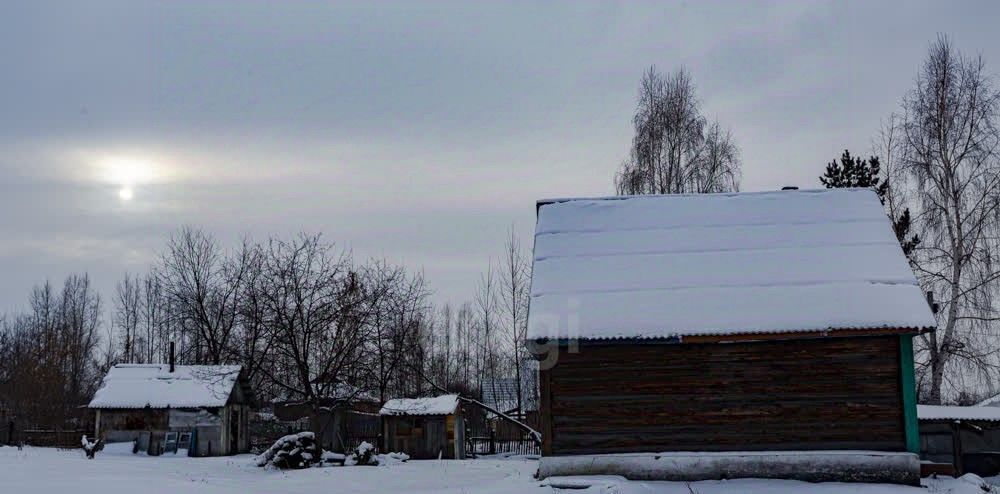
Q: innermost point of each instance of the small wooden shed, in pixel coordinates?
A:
(202, 410)
(955, 440)
(424, 428)
(754, 327)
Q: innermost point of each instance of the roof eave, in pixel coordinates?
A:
(943, 420)
(541, 343)
(146, 407)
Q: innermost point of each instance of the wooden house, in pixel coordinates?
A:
(201, 410)
(743, 334)
(424, 428)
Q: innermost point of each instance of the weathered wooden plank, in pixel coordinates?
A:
(545, 403)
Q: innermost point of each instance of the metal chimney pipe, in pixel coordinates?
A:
(171, 357)
(930, 301)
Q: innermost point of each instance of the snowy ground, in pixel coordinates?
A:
(49, 471)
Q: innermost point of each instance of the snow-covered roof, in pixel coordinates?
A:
(942, 412)
(993, 401)
(154, 386)
(501, 393)
(719, 264)
(438, 405)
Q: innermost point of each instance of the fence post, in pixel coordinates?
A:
(493, 446)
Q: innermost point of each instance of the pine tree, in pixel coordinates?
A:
(857, 172)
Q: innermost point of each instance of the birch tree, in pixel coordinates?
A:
(515, 279)
(128, 307)
(951, 141)
(675, 149)
(485, 327)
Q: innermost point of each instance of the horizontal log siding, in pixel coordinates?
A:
(832, 393)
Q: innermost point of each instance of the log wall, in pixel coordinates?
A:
(810, 394)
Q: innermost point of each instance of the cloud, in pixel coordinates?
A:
(415, 132)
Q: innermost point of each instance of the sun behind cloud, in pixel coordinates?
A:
(126, 193)
(127, 173)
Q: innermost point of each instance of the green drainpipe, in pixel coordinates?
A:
(909, 394)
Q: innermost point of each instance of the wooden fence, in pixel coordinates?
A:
(53, 438)
(487, 440)
(263, 433)
(482, 437)
(359, 427)
(362, 427)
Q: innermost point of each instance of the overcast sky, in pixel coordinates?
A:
(417, 133)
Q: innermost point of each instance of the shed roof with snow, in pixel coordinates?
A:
(438, 405)
(961, 413)
(154, 386)
(501, 393)
(670, 266)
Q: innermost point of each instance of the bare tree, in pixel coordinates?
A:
(128, 307)
(889, 146)
(80, 317)
(515, 278)
(951, 143)
(896, 183)
(254, 338)
(719, 170)
(47, 354)
(485, 327)
(203, 286)
(465, 345)
(445, 326)
(153, 316)
(675, 150)
(397, 304)
(314, 301)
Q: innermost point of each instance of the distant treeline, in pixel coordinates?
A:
(305, 319)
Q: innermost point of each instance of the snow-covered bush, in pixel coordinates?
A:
(293, 451)
(365, 455)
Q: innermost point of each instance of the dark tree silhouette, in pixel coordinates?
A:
(853, 171)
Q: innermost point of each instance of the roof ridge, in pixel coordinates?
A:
(706, 195)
